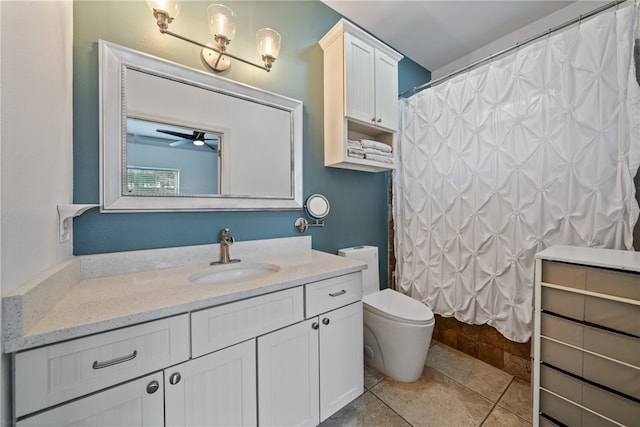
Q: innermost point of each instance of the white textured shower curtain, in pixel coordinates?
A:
(535, 149)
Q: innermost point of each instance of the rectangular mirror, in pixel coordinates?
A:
(175, 138)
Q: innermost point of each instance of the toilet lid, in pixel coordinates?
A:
(396, 306)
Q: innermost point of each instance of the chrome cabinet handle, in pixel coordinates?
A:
(152, 387)
(337, 294)
(100, 365)
(315, 325)
(379, 120)
(175, 378)
(325, 321)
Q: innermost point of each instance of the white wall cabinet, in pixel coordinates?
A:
(254, 353)
(372, 84)
(326, 372)
(360, 95)
(586, 364)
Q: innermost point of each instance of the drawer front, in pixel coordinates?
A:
(225, 325)
(558, 273)
(561, 329)
(56, 373)
(616, 315)
(560, 409)
(610, 344)
(617, 376)
(617, 283)
(559, 383)
(562, 302)
(561, 356)
(129, 404)
(327, 295)
(604, 403)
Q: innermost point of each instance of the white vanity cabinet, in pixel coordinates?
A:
(218, 389)
(360, 95)
(308, 371)
(57, 373)
(288, 357)
(136, 403)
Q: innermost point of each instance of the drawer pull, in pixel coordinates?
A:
(337, 294)
(175, 378)
(100, 365)
(153, 386)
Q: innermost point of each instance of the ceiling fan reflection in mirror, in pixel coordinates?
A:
(196, 138)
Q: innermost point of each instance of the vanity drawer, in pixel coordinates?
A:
(225, 325)
(56, 373)
(329, 294)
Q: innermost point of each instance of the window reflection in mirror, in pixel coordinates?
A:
(167, 160)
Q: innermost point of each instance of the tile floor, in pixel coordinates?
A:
(455, 390)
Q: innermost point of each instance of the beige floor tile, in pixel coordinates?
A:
(433, 400)
(365, 411)
(480, 377)
(502, 418)
(372, 376)
(517, 399)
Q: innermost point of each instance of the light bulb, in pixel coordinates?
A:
(171, 7)
(268, 42)
(222, 21)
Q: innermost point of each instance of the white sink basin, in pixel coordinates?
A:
(232, 273)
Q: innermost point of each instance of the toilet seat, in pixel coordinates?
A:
(393, 305)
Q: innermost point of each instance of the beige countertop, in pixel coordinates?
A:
(97, 304)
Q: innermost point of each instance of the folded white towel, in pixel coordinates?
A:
(379, 158)
(354, 143)
(367, 143)
(355, 154)
(377, 152)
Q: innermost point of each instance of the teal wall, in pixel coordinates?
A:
(358, 199)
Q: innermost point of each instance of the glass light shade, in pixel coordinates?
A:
(268, 42)
(172, 7)
(222, 21)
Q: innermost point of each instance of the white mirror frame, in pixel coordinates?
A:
(114, 60)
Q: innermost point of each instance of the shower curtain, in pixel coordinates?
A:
(535, 149)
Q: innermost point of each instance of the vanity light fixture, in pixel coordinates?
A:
(222, 26)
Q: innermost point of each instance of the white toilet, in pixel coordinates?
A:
(397, 328)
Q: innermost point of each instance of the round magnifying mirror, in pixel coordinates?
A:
(317, 206)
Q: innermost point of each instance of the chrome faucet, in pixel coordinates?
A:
(226, 240)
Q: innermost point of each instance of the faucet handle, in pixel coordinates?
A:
(224, 232)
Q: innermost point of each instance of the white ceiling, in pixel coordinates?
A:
(436, 33)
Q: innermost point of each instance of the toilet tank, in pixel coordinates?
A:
(370, 276)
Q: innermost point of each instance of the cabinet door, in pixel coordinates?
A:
(386, 90)
(360, 80)
(136, 403)
(341, 361)
(288, 376)
(218, 389)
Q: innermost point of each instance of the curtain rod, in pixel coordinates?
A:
(518, 45)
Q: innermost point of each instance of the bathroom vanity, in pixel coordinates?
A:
(135, 339)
